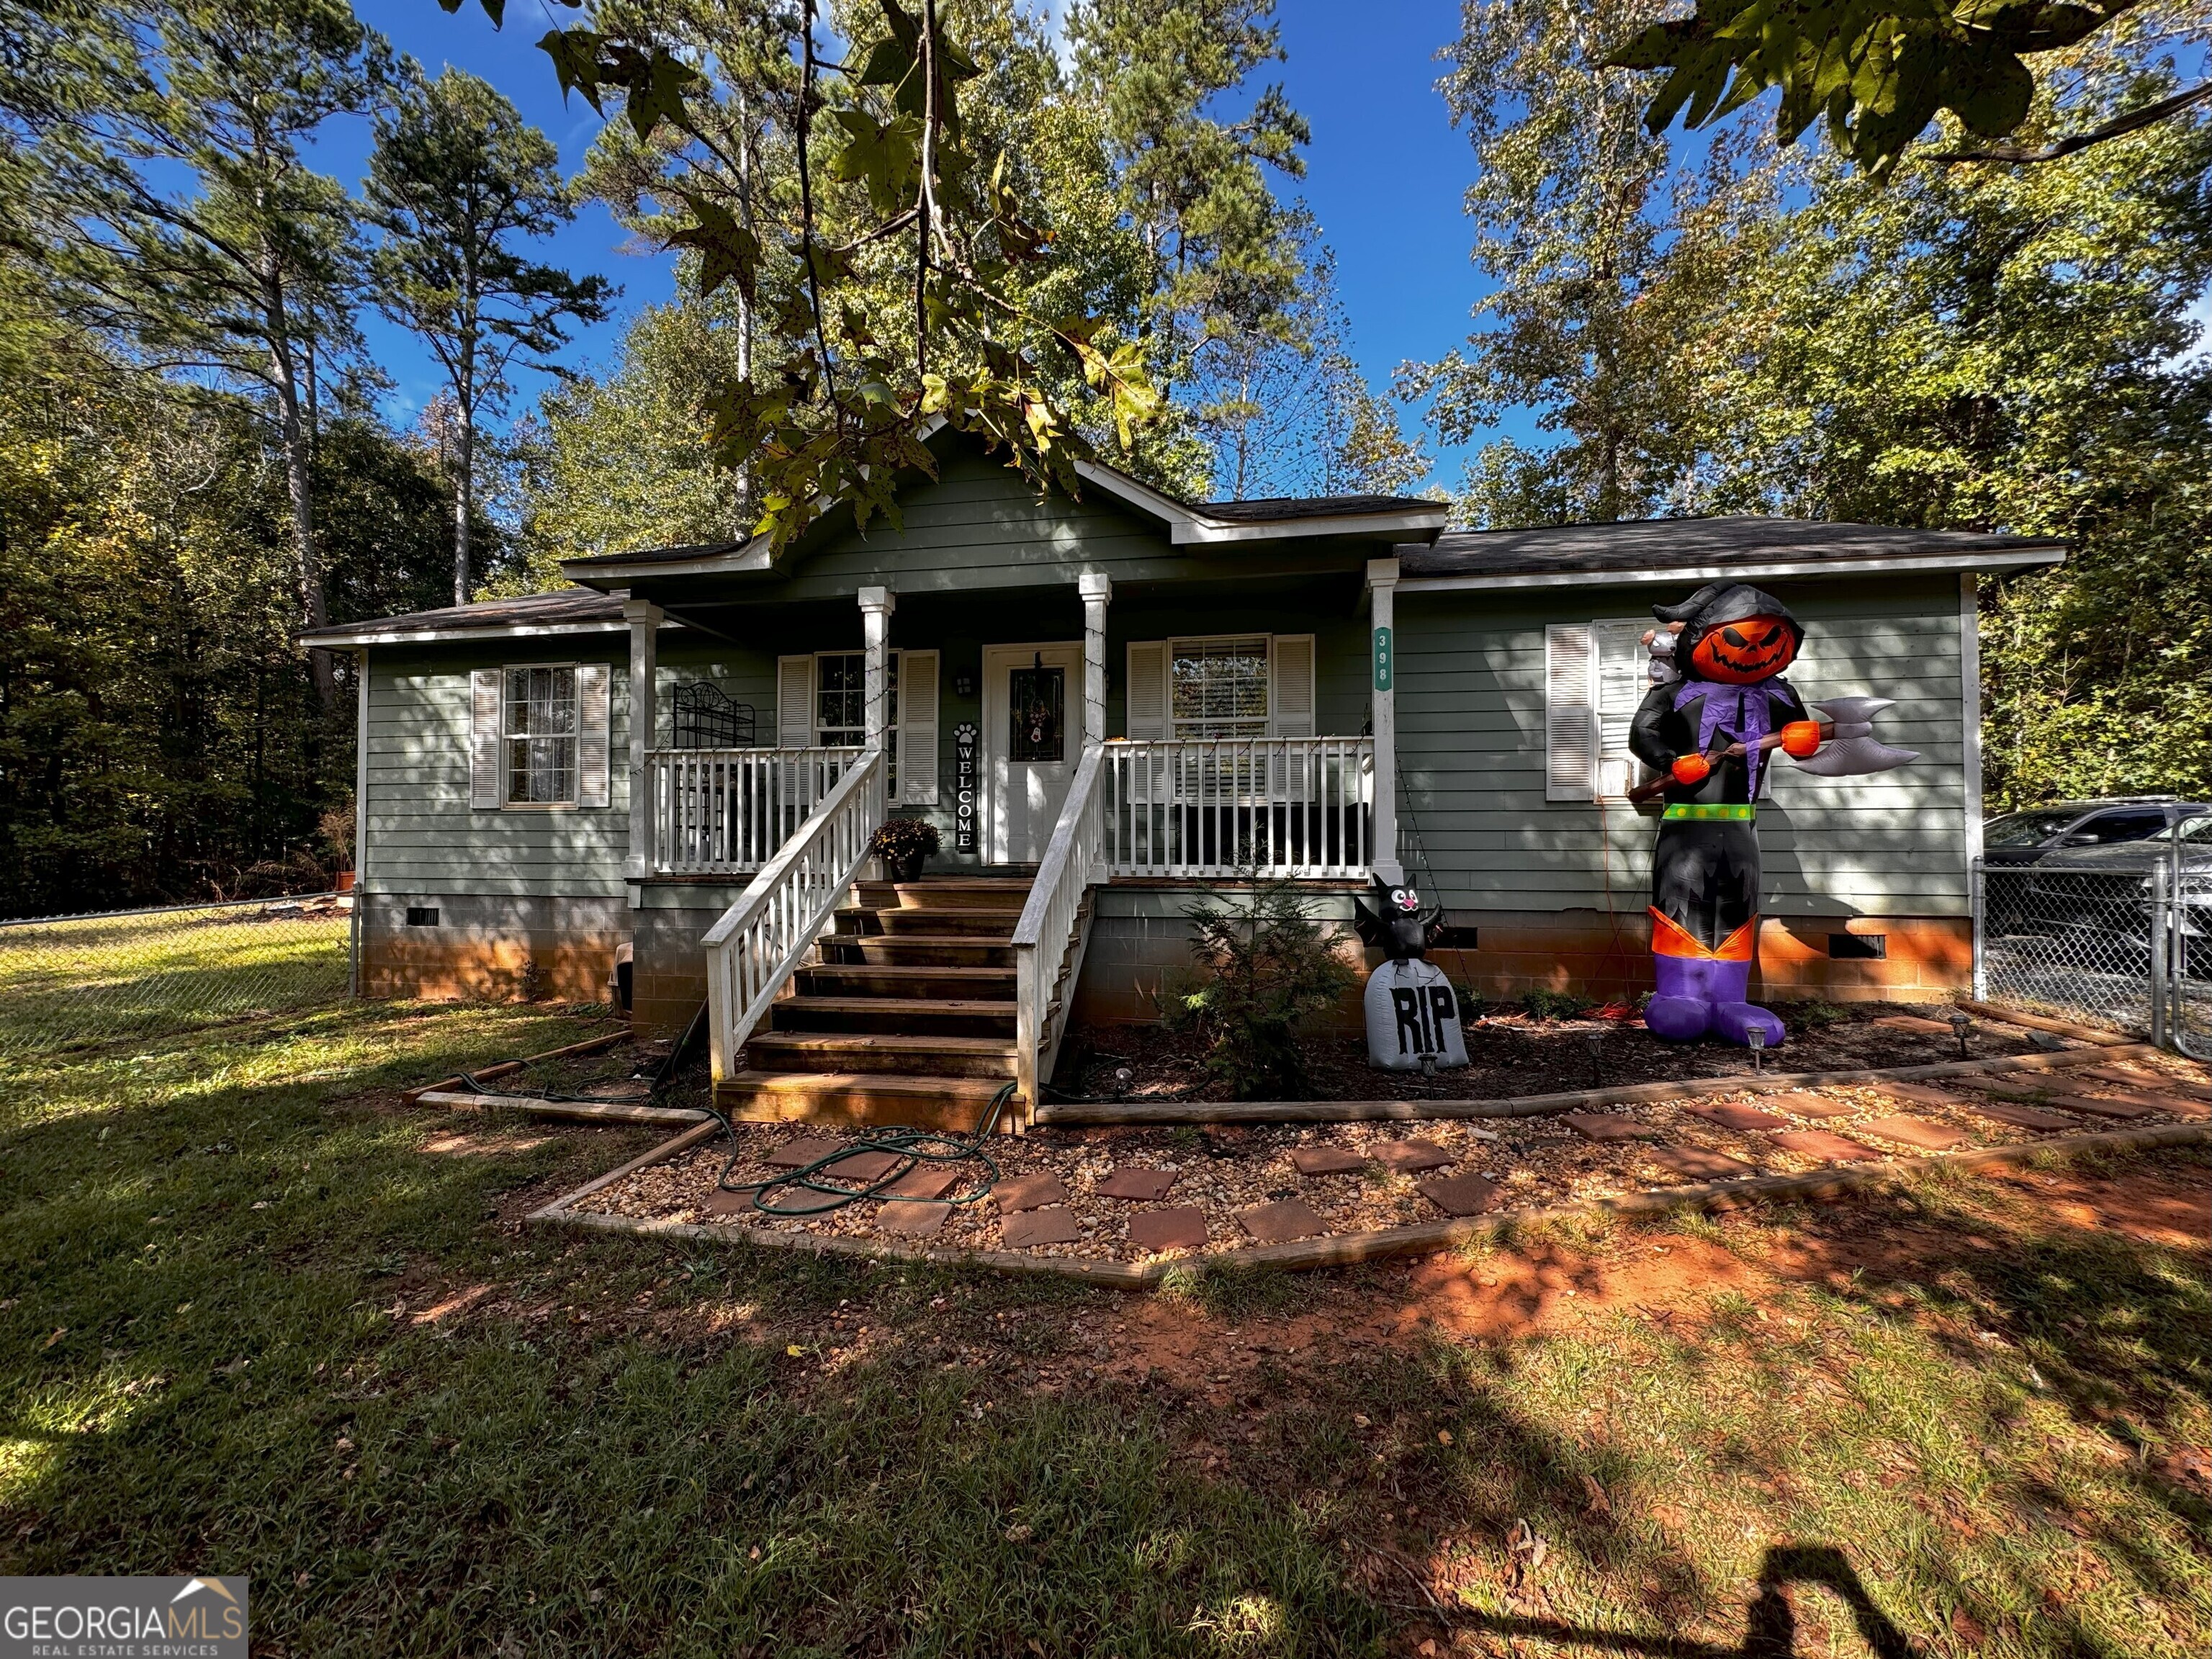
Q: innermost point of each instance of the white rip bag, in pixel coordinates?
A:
(1412, 1015)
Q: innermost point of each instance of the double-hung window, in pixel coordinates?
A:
(1221, 686)
(539, 735)
(822, 702)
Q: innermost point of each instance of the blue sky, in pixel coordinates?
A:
(1385, 172)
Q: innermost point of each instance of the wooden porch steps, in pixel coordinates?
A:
(905, 1015)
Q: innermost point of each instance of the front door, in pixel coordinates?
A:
(1032, 738)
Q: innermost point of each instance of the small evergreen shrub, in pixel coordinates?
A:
(1552, 1005)
(1263, 966)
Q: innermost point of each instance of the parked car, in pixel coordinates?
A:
(2028, 837)
(2107, 890)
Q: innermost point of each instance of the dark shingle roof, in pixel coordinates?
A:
(661, 555)
(1663, 544)
(566, 605)
(1274, 509)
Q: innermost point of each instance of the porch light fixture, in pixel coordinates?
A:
(964, 685)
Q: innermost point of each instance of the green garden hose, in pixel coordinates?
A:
(912, 1147)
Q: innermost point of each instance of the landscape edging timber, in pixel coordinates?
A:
(1423, 1238)
(1098, 1114)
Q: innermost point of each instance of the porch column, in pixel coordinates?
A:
(644, 619)
(876, 604)
(1097, 589)
(1383, 665)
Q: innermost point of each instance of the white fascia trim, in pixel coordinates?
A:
(753, 555)
(1187, 528)
(2008, 559)
(453, 636)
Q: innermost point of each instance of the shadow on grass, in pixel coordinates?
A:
(1770, 1627)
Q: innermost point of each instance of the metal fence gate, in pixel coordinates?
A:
(2128, 949)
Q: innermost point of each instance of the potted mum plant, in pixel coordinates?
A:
(905, 844)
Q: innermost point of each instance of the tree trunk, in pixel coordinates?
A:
(292, 438)
(465, 483)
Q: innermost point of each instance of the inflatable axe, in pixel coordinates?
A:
(1854, 750)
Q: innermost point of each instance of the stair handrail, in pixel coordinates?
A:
(758, 943)
(1050, 921)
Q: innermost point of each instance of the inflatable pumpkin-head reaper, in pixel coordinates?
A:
(1708, 733)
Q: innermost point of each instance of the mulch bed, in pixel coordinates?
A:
(1251, 1184)
(1510, 1053)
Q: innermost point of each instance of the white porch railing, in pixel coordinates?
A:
(752, 950)
(717, 810)
(1054, 926)
(1229, 806)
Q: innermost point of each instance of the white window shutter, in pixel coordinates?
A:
(918, 728)
(794, 702)
(1620, 685)
(1145, 713)
(1292, 693)
(594, 721)
(487, 705)
(1570, 722)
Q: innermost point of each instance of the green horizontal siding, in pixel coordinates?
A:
(1471, 758)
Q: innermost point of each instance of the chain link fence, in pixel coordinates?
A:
(70, 982)
(2128, 948)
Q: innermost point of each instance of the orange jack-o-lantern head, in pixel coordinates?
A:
(1744, 652)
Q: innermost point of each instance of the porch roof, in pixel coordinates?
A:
(1677, 550)
(565, 611)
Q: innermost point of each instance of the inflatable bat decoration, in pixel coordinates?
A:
(1717, 707)
(1391, 920)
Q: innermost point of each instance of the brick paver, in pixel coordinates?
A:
(1410, 1157)
(1325, 1160)
(1697, 1163)
(924, 1181)
(1032, 1192)
(1466, 1194)
(1130, 1181)
(1827, 1146)
(1730, 1114)
(797, 1154)
(1182, 1227)
(1282, 1221)
(1804, 1102)
(911, 1219)
(1916, 1131)
(1924, 1094)
(2020, 1118)
(1607, 1126)
(2005, 1088)
(2098, 1106)
(1028, 1229)
(864, 1166)
(719, 1202)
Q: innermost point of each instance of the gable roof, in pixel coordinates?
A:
(1680, 548)
(1381, 519)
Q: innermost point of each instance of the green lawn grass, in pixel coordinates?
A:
(217, 1253)
(98, 980)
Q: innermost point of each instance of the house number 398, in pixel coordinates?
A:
(1382, 653)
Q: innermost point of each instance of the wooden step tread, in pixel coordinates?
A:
(879, 1042)
(875, 1083)
(808, 1003)
(965, 941)
(978, 976)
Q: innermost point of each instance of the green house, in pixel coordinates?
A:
(662, 782)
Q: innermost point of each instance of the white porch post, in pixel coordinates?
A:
(1097, 590)
(1382, 669)
(876, 604)
(644, 619)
